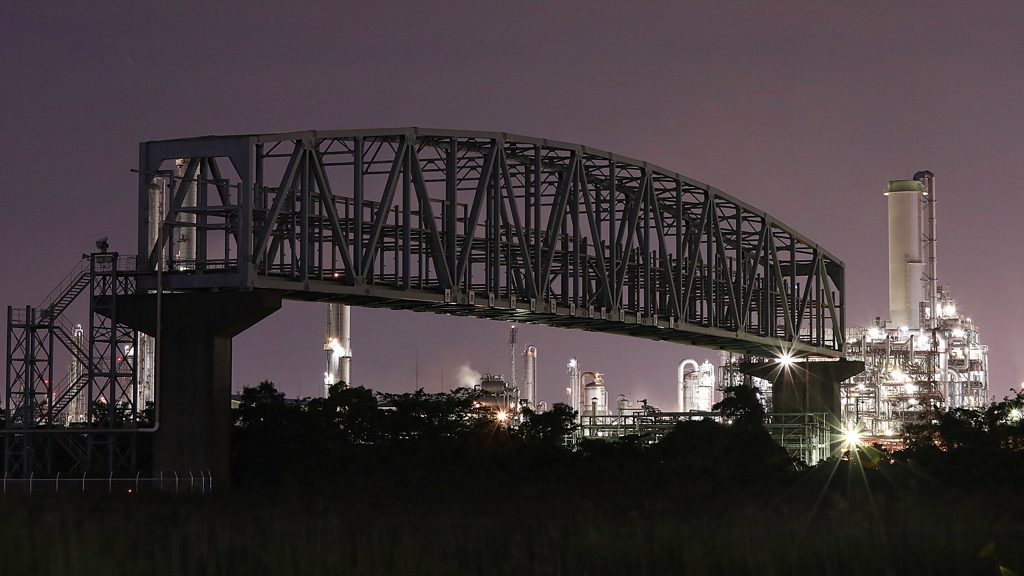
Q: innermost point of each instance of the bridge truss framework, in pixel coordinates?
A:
(496, 226)
(489, 225)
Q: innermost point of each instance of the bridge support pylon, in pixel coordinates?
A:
(807, 387)
(194, 416)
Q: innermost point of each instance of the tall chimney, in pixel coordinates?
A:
(906, 264)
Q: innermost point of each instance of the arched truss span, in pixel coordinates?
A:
(491, 225)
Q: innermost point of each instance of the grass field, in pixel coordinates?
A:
(584, 529)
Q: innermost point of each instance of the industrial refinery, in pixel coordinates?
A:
(927, 353)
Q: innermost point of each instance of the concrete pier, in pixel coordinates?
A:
(194, 394)
(806, 387)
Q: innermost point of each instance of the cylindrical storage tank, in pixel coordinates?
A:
(904, 247)
(704, 396)
(592, 391)
(623, 403)
(684, 385)
(492, 384)
(530, 377)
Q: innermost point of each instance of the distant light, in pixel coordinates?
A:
(950, 310)
(904, 328)
(874, 333)
(786, 360)
(337, 349)
(910, 388)
(958, 333)
(851, 436)
(502, 416)
(572, 363)
(1015, 415)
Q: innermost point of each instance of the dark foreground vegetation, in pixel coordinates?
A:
(434, 485)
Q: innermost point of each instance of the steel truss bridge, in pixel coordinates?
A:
(496, 226)
(481, 224)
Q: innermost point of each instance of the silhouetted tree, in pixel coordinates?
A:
(742, 406)
(347, 415)
(999, 425)
(549, 427)
(424, 416)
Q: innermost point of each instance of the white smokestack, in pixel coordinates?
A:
(338, 346)
(906, 263)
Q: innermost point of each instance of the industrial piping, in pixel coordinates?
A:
(685, 392)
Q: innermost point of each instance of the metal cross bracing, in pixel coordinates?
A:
(489, 225)
(40, 433)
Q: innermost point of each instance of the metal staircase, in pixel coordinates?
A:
(37, 398)
(62, 331)
(67, 291)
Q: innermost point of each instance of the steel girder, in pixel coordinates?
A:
(492, 225)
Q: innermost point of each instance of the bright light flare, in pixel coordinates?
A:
(502, 416)
(851, 437)
(336, 348)
(786, 360)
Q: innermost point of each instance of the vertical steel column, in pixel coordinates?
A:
(680, 263)
(574, 209)
(712, 266)
(451, 223)
(794, 293)
(246, 192)
(741, 273)
(493, 259)
(202, 201)
(648, 290)
(357, 203)
(613, 244)
(406, 211)
(304, 199)
(538, 170)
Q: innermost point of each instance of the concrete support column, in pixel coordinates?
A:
(194, 397)
(806, 387)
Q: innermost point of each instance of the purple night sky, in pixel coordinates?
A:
(804, 111)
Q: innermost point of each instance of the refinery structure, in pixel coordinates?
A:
(485, 225)
(927, 353)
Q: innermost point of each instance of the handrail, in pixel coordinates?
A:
(70, 279)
